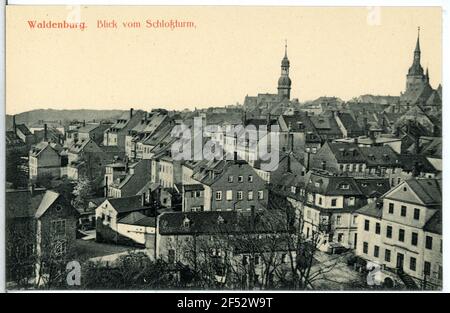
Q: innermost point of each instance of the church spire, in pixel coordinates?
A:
(284, 82)
(285, 48)
(418, 41)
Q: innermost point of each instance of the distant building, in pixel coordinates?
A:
(418, 89)
(116, 134)
(44, 159)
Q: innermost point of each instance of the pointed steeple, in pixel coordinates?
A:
(416, 69)
(285, 48)
(418, 41)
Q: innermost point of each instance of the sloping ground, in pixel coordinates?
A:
(87, 249)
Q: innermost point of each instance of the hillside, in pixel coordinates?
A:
(34, 116)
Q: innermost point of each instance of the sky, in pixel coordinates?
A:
(230, 53)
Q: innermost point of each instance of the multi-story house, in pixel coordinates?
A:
(150, 123)
(44, 159)
(404, 231)
(115, 135)
(231, 185)
(330, 202)
(93, 131)
(137, 175)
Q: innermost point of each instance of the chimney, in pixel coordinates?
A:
(288, 166)
(131, 113)
(106, 187)
(45, 132)
(31, 189)
(14, 124)
(416, 145)
(143, 199)
(291, 142)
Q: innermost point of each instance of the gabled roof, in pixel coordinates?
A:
(429, 190)
(22, 203)
(331, 185)
(346, 152)
(23, 129)
(127, 204)
(380, 156)
(48, 199)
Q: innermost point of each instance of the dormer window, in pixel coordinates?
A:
(220, 220)
(345, 186)
(186, 222)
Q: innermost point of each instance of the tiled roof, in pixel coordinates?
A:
(21, 203)
(371, 209)
(127, 204)
(429, 190)
(331, 185)
(24, 129)
(379, 156)
(434, 224)
(197, 222)
(346, 152)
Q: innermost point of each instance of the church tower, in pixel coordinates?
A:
(284, 82)
(415, 79)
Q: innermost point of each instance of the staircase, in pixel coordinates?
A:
(408, 281)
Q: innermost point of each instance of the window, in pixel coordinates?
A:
(427, 268)
(293, 189)
(340, 237)
(345, 186)
(229, 195)
(240, 179)
(260, 194)
(377, 228)
(354, 219)
(412, 264)
(58, 227)
(320, 200)
(429, 242)
(391, 208)
(416, 214)
(414, 239)
(333, 202)
(250, 178)
(389, 231)
(60, 247)
(239, 195)
(387, 255)
(338, 220)
(351, 201)
(256, 259)
(230, 178)
(218, 195)
(401, 235)
(244, 260)
(365, 247)
(376, 251)
(366, 225)
(403, 210)
(250, 195)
